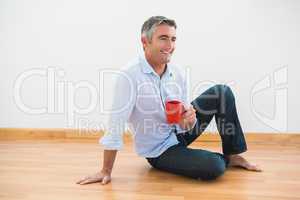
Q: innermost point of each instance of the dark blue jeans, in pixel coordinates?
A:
(219, 102)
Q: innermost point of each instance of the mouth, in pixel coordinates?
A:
(167, 53)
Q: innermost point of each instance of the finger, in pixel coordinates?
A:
(77, 182)
(193, 110)
(188, 114)
(105, 180)
(91, 180)
(191, 119)
(84, 182)
(82, 179)
(185, 107)
(87, 182)
(193, 116)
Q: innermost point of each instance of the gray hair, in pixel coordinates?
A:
(154, 21)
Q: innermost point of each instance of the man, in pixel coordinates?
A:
(141, 94)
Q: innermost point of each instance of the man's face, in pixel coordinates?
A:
(162, 44)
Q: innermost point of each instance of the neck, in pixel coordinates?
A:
(157, 67)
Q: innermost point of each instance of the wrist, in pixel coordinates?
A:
(106, 170)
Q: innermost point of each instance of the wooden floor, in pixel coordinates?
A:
(48, 169)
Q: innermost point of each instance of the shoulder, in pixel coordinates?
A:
(132, 68)
(130, 72)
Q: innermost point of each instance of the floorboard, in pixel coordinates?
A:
(48, 169)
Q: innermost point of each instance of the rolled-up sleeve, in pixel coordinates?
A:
(124, 97)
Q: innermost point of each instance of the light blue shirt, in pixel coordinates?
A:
(139, 101)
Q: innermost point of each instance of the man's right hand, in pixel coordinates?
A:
(102, 176)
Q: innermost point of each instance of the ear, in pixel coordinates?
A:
(144, 41)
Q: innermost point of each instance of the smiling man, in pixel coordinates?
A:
(141, 93)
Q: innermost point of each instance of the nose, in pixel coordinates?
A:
(170, 45)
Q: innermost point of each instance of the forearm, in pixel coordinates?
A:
(108, 160)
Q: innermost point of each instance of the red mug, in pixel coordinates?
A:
(174, 110)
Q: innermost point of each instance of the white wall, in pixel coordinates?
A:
(235, 42)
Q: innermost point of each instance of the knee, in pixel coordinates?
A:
(215, 168)
(225, 91)
(215, 172)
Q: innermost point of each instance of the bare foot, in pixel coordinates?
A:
(239, 161)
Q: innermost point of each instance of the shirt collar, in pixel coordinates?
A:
(147, 68)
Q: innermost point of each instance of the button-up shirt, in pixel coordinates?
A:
(139, 102)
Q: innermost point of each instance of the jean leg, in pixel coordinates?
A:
(228, 124)
(219, 102)
(194, 163)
